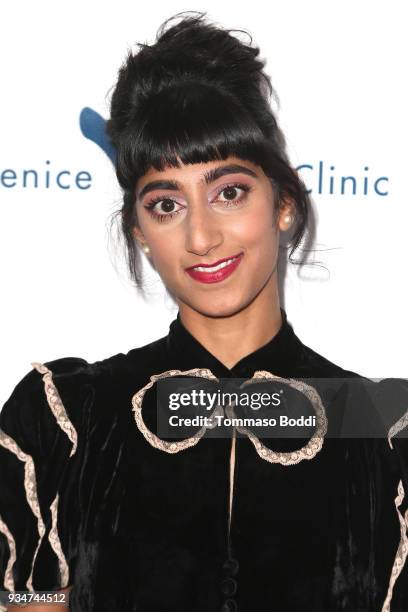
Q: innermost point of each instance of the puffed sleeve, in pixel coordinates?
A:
(38, 440)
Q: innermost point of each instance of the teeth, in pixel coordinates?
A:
(215, 268)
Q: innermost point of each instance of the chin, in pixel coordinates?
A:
(213, 307)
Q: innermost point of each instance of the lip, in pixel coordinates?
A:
(219, 275)
(214, 263)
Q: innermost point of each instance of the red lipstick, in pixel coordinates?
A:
(225, 267)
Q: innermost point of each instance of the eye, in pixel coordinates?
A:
(168, 211)
(232, 195)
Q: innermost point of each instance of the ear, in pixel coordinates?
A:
(139, 237)
(286, 215)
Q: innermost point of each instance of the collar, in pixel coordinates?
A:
(278, 355)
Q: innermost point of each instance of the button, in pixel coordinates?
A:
(230, 605)
(231, 566)
(229, 586)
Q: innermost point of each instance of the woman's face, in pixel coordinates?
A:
(201, 213)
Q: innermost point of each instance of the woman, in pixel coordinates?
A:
(96, 500)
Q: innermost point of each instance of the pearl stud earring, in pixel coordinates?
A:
(288, 219)
(146, 249)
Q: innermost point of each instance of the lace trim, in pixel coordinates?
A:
(397, 427)
(30, 486)
(56, 544)
(402, 550)
(313, 446)
(56, 405)
(308, 451)
(8, 576)
(164, 445)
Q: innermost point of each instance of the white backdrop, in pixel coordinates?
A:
(339, 71)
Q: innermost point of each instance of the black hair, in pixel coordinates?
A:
(198, 94)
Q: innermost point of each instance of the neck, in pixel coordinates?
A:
(232, 337)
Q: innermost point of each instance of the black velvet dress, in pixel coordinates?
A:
(90, 497)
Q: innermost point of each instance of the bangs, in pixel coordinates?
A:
(187, 123)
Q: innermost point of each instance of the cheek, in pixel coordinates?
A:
(166, 251)
(256, 227)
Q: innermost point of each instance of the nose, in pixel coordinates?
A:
(203, 231)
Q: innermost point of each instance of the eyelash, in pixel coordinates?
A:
(158, 217)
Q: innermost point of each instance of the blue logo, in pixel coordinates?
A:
(93, 127)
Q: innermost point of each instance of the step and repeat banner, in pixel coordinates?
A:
(338, 70)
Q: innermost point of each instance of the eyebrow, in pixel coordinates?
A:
(209, 177)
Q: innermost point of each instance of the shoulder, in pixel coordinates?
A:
(69, 369)
(135, 366)
(316, 365)
(391, 402)
(346, 395)
(35, 409)
(57, 391)
(380, 405)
